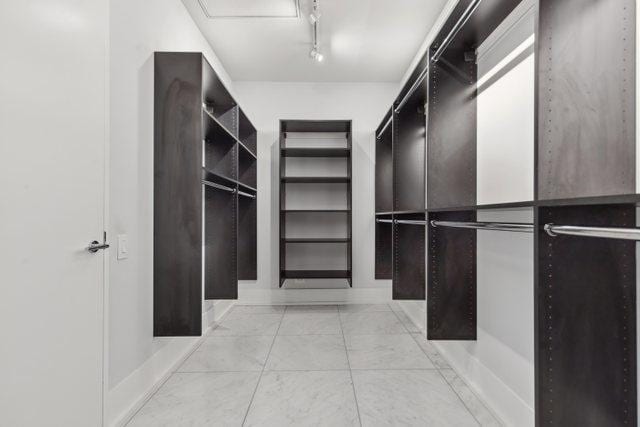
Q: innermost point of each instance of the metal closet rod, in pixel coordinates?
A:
(602, 232)
(495, 226)
(219, 186)
(412, 89)
(386, 125)
(242, 193)
(402, 221)
(456, 28)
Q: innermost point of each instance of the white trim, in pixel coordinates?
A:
(314, 296)
(126, 399)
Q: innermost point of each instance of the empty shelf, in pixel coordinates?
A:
(316, 152)
(316, 239)
(316, 179)
(316, 274)
(316, 210)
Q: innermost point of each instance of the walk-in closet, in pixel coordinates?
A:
(319, 213)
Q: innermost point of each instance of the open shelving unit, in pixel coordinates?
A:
(315, 201)
(205, 193)
(548, 130)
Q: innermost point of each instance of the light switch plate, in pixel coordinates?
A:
(123, 247)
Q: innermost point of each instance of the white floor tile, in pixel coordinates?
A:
(431, 352)
(310, 323)
(241, 353)
(308, 352)
(408, 323)
(311, 309)
(471, 401)
(385, 352)
(248, 325)
(258, 309)
(199, 399)
(368, 323)
(304, 399)
(363, 308)
(408, 398)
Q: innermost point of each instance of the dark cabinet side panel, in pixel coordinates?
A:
(586, 98)
(177, 266)
(384, 172)
(221, 260)
(451, 284)
(408, 282)
(452, 132)
(384, 251)
(409, 146)
(247, 239)
(586, 321)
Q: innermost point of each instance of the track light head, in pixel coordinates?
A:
(314, 17)
(316, 54)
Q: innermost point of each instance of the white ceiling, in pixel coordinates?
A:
(362, 40)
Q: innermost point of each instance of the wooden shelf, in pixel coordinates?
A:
(316, 179)
(316, 152)
(316, 210)
(316, 274)
(214, 125)
(316, 240)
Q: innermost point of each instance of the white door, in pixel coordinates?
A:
(53, 121)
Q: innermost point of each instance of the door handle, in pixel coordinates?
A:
(95, 246)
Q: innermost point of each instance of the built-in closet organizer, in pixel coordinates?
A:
(545, 128)
(315, 203)
(204, 193)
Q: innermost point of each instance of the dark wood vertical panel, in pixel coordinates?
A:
(247, 239)
(451, 285)
(451, 153)
(384, 250)
(409, 145)
(586, 98)
(586, 321)
(177, 267)
(221, 260)
(409, 259)
(384, 172)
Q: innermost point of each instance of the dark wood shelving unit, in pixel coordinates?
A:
(340, 185)
(584, 169)
(202, 161)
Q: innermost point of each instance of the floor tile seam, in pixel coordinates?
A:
(266, 360)
(353, 384)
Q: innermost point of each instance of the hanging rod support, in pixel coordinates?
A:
(412, 89)
(385, 221)
(493, 226)
(601, 232)
(466, 15)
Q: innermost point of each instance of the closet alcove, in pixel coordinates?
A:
(538, 125)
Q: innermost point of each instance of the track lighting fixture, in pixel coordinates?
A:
(314, 17)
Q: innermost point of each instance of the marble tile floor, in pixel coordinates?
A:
(348, 365)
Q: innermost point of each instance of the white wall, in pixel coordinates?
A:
(364, 103)
(138, 28)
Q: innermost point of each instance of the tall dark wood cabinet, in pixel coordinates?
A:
(315, 201)
(204, 193)
(583, 152)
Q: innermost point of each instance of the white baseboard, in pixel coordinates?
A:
(314, 296)
(499, 398)
(126, 398)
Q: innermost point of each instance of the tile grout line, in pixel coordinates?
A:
(175, 371)
(244, 420)
(439, 370)
(353, 385)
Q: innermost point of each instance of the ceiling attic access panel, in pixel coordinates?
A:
(586, 98)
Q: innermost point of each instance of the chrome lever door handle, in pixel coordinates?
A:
(95, 246)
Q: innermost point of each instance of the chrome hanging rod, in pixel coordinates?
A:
(602, 232)
(410, 222)
(493, 226)
(386, 125)
(456, 28)
(412, 89)
(242, 193)
(219, 186)
(385, 221)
